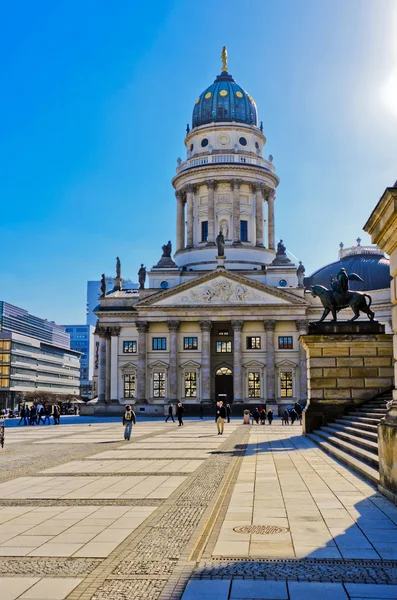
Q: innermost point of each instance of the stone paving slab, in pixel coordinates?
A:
(127, 466)
(83, 531)
(92, 488)
(134, 453)
(36, 588)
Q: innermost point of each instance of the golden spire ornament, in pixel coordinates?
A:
(224, 59)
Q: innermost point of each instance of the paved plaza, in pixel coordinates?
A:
(182, 513)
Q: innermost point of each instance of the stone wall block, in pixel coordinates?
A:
(336, 372)
(322, 382)
(336, 351)
(317, 394)
(316, 372)
(350, 382)
(322, 362)
(364, 372)
(381, 382)
(350, 362)
(379, 361)
(337, 394)
(386, 372)
(385, 351)
(365, 393)
(362, 350)
(316, 352)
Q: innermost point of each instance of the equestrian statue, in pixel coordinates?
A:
(339, 297)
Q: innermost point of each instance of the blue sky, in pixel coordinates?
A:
(94, 104)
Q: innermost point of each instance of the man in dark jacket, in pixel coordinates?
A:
(228, 412)
(220, 417)
(179, 413)
(170, 413)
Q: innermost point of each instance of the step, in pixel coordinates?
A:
(361, 442)
(352, 462)
(364, 433)
(370, 415)
(363, 455)
(351, 423)
(352, 417)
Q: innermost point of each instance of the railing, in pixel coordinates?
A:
(225, 158)
(354, 250)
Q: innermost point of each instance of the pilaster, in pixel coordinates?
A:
(270, 326)
(206, 327)
(173, 327)
(143, 328)
(237, 360)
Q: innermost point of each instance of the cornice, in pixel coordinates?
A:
(222, 167)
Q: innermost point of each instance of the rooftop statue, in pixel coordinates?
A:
(300, 272)
(142, 277)
(281, 249)
(339, 297)
(167, 249)
(220, 242)
(118, 267)
(103, 285)
(224, 59)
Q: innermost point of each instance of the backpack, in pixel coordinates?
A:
(128, 415)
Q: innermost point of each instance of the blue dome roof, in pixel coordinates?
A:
(222, 101)
(374, 269)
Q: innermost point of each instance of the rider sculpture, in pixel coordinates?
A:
(339, 297)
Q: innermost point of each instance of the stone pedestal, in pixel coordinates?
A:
(387, 441)
(344, 369)
(221, 262)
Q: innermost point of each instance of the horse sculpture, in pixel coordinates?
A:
(333, 301)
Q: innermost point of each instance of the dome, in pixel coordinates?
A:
(373, 268)
(224, 101)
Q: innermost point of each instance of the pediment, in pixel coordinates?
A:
(284, 364)
(128, 365)
(220, 289)
(253, 364)
(158, 364)
(190, 364)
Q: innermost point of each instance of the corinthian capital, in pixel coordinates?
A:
(189, 188)
(269, 325)
(236, 184)
(179, 195)
(211, 184)
(205, 325)
(301, 326)
(271, 196)
(238, 325)
(102, 331)
(114, 330)
(173, 325)
(142, 326)
(258, 187)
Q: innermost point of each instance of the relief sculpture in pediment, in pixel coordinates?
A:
(220, 292)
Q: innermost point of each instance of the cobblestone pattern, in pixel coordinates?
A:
(49, 566)
(128, 589)
(356, 571)
(69, 502)
(103, 474)
(147, 567)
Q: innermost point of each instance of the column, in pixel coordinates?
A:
(108, 366)
(173, 327)
(101, 367)
(189, 218)
(258, 187)
(180, 221)
(205, 327)
(237, 361)
(114, 344)
(236, 211)
(301, 327)
(211, 185)
(142, 327)
(270, 326)
(270, 208)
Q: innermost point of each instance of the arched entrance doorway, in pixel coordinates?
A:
(224, 384)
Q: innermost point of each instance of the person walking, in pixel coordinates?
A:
(128, 419)
(47, 414)
(32, 415)
(179, 413)
(22, 415)
(270, 416)
(56, 415)
(228, 412)
(285, 420)
(220, 417)
(256, 416)
(262, 416)
(298, 409)
(170, 413)
(293, 415)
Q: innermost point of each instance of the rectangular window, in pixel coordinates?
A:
(204, 231)
(159, 343)
(286, 384)
(244, 231)
(158, 385)
(253, 343)
(285, 342)
(190, 343)
(129, 385)
(254, 385)
(129, 347)
(223, 346)
(223, 332)
(190, 384)
(5, 344)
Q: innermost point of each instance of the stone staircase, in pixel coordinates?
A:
(353, 439)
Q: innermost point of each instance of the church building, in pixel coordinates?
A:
(222, 316)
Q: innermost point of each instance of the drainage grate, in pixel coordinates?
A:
(261, 529)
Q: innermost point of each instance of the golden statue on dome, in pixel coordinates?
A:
(224, 59)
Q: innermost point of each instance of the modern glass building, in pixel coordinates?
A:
(82, 340)
(35, 354)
